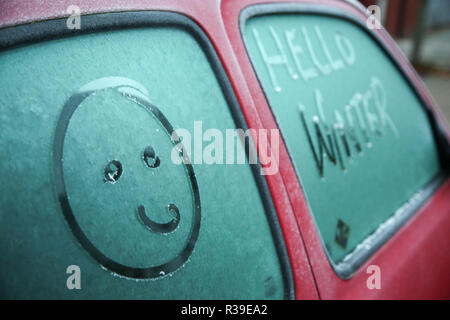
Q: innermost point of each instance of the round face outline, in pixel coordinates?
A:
(135, 92)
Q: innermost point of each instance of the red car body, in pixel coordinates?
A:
(415, 261)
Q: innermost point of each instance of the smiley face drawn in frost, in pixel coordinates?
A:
(116, 173)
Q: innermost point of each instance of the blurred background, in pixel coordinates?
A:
(422, 30)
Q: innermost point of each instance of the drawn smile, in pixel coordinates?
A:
(113, 172)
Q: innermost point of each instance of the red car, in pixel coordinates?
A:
(217, 150)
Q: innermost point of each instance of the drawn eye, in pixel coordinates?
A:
(151, 160)
(113, 171)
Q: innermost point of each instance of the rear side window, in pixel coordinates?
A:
(89, 179)
(358, 136)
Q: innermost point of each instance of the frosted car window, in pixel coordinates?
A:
(86, 124)
(358, 136)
